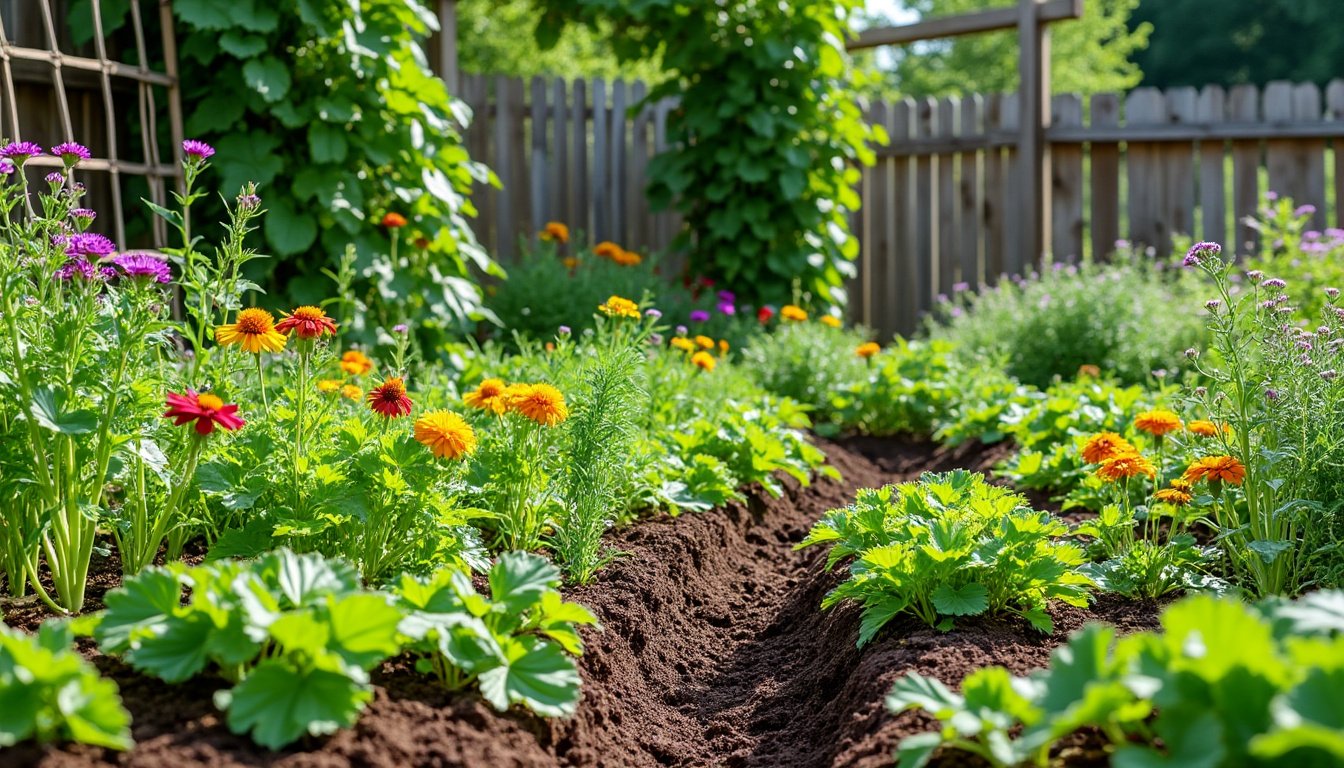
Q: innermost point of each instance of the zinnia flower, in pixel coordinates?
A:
(619, 307)
(70, 152)
(764, 314)
(351, 392)
(704, 342)
(389, 399)
(489, 395)
(704, 361)
(555, 232)
(329, 386)
(541, 403)
(868, 349)
(1105, 445)
(254, 330)
(1125, 466)
(1173, 496)
(445, 434)
(308, 322)
(607, 249)
(792, 312)
(1157, 423)
(1205, 428)
(830, 321)
(683, 343)
(1216, 469)
(205, 409)
(356, 363)
(393, 220)
(144, 267)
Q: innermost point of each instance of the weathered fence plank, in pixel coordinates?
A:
(1067, 184)
(1105, 173)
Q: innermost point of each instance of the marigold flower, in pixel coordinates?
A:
(1089, 371)
(704, 342)
(254, 330)
(683, 343)
(1157, 423)
(555, 232)
(627, 258)
(1125, 466)
(570, 262)
(830, 321)
(1216, 469)
(445, 434)
(389, 399)
(792, 312)
(1181, 484)
(1173, 496)
(868, 349)
(723, 346)
(394, 220)
(619, 307)
(351, 392)
(205, 409)
(1206, 428)
(1105, 445)
(704, 361)
(489, 395)
(356, 363)
(328, 386)
(607, 249)
(308, 322)
(541, 403)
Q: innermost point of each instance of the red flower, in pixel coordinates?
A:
(308, 323)
(394, 220)
(206, 410)
(389, 399)
(764, 314)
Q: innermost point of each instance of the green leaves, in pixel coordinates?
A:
(966, 600)
(51, 411)
(267, 76)
(48, 692)
(279, 703)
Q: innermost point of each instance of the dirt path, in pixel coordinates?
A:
(714, 653)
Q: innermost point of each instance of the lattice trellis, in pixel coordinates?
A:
(52, 90)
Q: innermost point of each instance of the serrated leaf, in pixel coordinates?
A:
(277, 704)
(914, 691)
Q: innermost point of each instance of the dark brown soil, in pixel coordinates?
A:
(714, 653)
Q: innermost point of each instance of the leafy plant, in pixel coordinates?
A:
(809, 362)
(945, 546)
(1222, 684)
(295, 634)
(49, 692)
(514, 644)
(908, 388)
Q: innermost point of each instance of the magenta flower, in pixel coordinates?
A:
(197, 151)
(144, 267)
(88, 244)
(20, 151)
(71, 153)
(727, 308)
(55, 178)
(249, 202)
(77, 267)
(727, 296)
(699, 316)
(401, 328)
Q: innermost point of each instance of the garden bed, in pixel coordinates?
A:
(714, 652)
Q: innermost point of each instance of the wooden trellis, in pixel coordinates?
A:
(52, 91)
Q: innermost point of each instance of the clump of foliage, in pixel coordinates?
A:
(949, 545)
(808, 361)
(48, 692)
(1127, 318)
(1312, 261)
(1221, 684)
(764, 141)
(907, 389)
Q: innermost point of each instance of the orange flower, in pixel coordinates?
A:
(830, 321)
(868, 349)
(389, 399)
(1125, 466)
(619, 307)
(683, 343)
(570, 262)
(704, 342)
(627, 258)
(1088, 371)
(1206, 428)
(608, 250)
(1181, 484)
(1173, 496)
(351, 392)
(253, 330)
(1157, 423)
(356, 363)
(307, 322)
(1105, 445)
(328, 386)
(792, 312)
(541, 403)
(704, 361)
(445, 434)
(723, 346)
(555, 232)
(489, 395)
(394, 220)
(1216, 469)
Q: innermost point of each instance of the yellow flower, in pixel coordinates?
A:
(541, 403)
(792, 312)
(356, 363)
(489, 395)
(328, 385)
(1105, 445)
(555, 232)
(868, 350)
(1125, 466)
(619, 307)
(1173, 496)
(351, 392)
(683, 343)
(1157, 423)
(704, 342)
(253, 330)
(830, 321)
(445, 434)
(704, 360)
(608, 250)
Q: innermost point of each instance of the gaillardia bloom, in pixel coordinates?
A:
(1125, 466)
(1216, 469)
(619, 307)
(541, 403)
(868, 349)
(1173, 496)
(394, 220)
(389, 399)
(1205, 428)
(1157, 423)
(307, 322)
(356, 363)
(445, 434)
(1105, 445)
(205, 409)
(793, 312)
(490, 395)
(555, 232)
(830, 321)
(704, 361)
(254, 330)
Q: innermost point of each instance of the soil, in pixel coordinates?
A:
(713, 652)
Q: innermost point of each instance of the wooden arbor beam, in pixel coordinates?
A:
(964, 24)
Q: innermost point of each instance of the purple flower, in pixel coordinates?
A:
(55, 178)
(682, 330)
(83, 214)
(727, 296)
(88, 244)
(144, 267)
(959, 287)
(1275, 282)
(76, 267)
(1201, 251)
(1255, 275)
(20, 151)
(1305, 210)
(1271, 394)
(699, 316)
(652, 313)
(197, 151)
(943, 299)
(401, 328)
(1192, 353)
(1213, 304)
(1330, 375)
(6, 168)
(1332, 293)
(656, 339)
(565, 330)
(249, 201)
(1271, 195)
(108, 273)
(1121, 244)
(726, 308)
(71, 153)
(1201, 391)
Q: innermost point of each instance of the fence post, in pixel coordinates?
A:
(448, 43)
(1033, 156)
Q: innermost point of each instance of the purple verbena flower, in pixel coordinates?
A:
(1255, 275)
(1213, 304)
(1201, 251)
(652, 313)
(656, 339)
(197, 151)
(401, 328)
(1275, 282)
(1192, 353)
(1330, 375)
(144, 267)
(1271, 394)
(20, 151)
(682, 330)
(86, 215)
(71, 153)
(699, 316)
(959, 287)
(1304, 210)
(565, 330)
(249, 201)
(1271, 195)
(1332, 293)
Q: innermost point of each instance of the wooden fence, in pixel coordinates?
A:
(942, 206)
